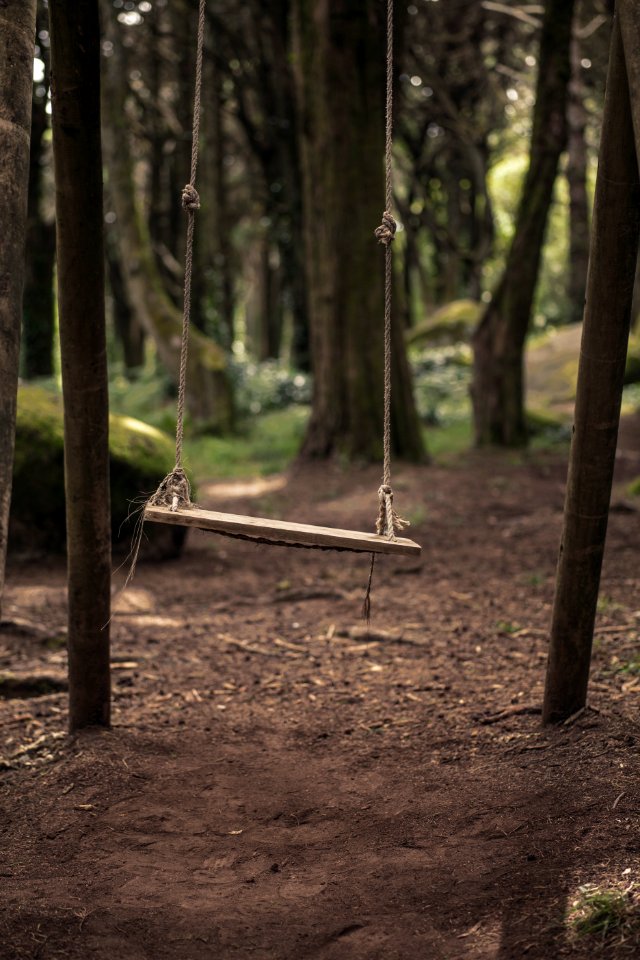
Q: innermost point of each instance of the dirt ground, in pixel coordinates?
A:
(279, 784)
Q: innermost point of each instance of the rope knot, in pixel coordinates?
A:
(174, 491)
(190, 198)
(388, 522)
(386, 232)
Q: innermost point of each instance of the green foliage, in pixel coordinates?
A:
(267, 444)
(270, 385)
(603, 912)
(441, 384)
(140, 456)
(505, 184)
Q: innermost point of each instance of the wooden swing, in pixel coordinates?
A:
(171, 503)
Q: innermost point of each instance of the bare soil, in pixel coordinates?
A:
(281, 784)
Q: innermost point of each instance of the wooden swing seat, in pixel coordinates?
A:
(283, 532)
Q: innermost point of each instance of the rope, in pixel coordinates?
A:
(388, 522)
(174, 491)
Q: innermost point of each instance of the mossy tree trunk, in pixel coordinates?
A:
(605, 333)
(209, 391)
(498, 344)
(38, 316)
(339, 61)
(17, 34)
(75, 89)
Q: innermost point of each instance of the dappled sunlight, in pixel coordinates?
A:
(243, 489)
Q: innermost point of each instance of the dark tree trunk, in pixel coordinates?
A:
(498, 380)
(75, 87)
(213, 289)
(38, 316)
(339, 51)
(129, 333)
(17, 33)
(614, 248)
(577, 181)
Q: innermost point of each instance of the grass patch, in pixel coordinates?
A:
(266, 445)
(604, 912)
(449, 440)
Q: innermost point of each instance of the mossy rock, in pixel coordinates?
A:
(632, 368)
(452, 323)
(140, 456)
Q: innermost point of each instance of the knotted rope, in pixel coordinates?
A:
(174, 491)
(389, 522)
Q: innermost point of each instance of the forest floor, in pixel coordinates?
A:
(279, 784)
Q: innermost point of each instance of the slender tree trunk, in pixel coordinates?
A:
(38, 316)
(614, 248)
(577, 181)
(128, 332)
(75, 59)
(212, 290)
(339, 56)
(630, 25)
(498, 378)
(17, 35)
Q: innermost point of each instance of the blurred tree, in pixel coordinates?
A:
(38, 309)
(75, 71)
(498, 380)
(209, 389)
(253, 43)
(339, 57)
(578, 158)
(17, 34)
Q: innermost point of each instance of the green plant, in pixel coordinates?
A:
(601, 912)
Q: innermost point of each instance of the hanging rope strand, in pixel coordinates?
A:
(191, 204)
(388, 521)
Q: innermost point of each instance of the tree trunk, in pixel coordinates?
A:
(128, 332)
(38, 315)
(614, 248)
(577, 181)
(209, 392)
(498, 379)
(17, 34)
(75, 88)
(339, 56)
(212, 290)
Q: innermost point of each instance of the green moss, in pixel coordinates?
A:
(634, 487)
(452, 323)
(632, 368)
(140, 456)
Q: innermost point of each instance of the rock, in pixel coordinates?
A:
(452, 323)
(140, 457)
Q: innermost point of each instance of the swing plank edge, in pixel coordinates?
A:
(279, 531)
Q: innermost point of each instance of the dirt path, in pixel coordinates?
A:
(279, 785)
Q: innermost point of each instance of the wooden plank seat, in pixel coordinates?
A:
(283, 532)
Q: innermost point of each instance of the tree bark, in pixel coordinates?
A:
(38, 315)
(614, 248)
(209, 392)
(498, 377)
(339, 61)
(17, 34)
(577, 181)
(75, 88)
